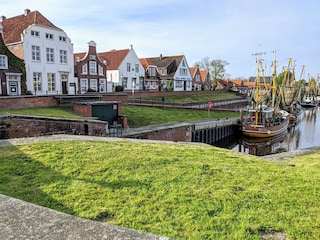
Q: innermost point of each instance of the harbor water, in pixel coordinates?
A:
(305, 134)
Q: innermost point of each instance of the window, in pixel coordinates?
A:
(84, 85)
(93, 84)
(183, 72)
(128, 67)
(37, 82)
(50, 57)
(137, 68)
(84, 69)
(63, 56)
(62, 39)
(152, 71)
(35, 33)
(51, 82)
(183, 63)
(102, 85)
(92, 57)
(3, 62)
(35, 53)
(93, 67)
(100, 70)
(124, 82)
(49, 36)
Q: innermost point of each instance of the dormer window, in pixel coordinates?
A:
(49, 36)
(35, 33)
(3, 62)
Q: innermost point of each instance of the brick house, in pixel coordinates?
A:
(90, 71)
(46, 50)
(12, 71)
(205, 78)
(196, 78)
(152, 76)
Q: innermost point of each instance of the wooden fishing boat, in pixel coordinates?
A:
(264, 122)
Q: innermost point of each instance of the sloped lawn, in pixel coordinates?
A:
(184, 191)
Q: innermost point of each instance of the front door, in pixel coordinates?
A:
(64, 82)
(13, 88)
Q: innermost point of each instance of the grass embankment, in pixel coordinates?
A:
(194, 97)
(137, 116)
(178, 190)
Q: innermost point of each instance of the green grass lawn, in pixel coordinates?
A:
(194, 97)
(143, 116)
(137, 116)
(184, 191)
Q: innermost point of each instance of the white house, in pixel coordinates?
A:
(46, 50)
(124, 69)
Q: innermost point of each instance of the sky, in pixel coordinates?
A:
(235, 31)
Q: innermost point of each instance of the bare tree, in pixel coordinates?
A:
(216, 69)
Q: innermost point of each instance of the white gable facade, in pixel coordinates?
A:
(182, 77)
(130, 74)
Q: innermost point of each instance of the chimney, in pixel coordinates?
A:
(131, 47)
(1, 28)
(160, 56)
(2, 18)
(26, 11)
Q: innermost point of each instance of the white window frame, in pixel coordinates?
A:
(102, 85)
(37, 82)
(100, 70)
(84, 69)
(51, 82)
(63, 57)
(50, 55)
(3, 62)
(49, 36)
(93, 67)
(35, 33)
(94, 84)
(62, 39)
(84, 85)
(35, 52)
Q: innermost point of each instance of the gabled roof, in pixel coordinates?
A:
(204, 74)
(114, 58)
(146, 63)
(170, 63)
(14, 27)
(193, 71)
(80, 55)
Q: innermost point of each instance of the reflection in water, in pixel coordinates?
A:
(262, 146)
(305, 134)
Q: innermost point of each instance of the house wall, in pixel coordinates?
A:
(42, 66)
(182, 82)
(133, 59)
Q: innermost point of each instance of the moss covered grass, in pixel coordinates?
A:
(184, 191)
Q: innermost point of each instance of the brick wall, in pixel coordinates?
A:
(21, 102)
(28, 126)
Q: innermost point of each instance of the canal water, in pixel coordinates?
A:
(305, 134)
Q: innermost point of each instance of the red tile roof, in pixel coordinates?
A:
(204, 74)
(14, 27)
(192, 70)
(114, 58)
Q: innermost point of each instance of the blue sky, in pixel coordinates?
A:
(231, 30)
